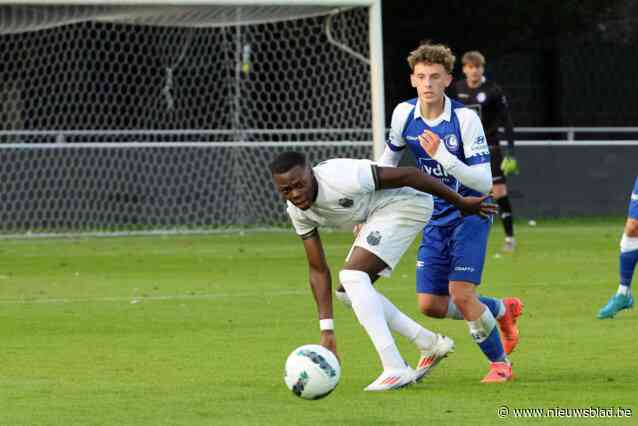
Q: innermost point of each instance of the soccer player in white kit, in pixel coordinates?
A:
(393, 204)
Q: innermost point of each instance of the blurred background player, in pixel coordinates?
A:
(387, 201)
(628, 259)
(490, 103)
(449, 144)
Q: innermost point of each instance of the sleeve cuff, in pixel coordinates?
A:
(394, 147)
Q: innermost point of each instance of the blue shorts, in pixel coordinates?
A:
(633, 202)
(455, 252)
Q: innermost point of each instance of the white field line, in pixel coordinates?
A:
(138, 299)
(305, 291)
(195, 252)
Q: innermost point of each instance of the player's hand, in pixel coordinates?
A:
(430, 142)
(357, 229)
(509, 165)
(329, 341)
(478, 205)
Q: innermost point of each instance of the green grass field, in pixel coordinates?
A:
(195, 331)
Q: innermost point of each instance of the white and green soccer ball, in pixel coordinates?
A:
(312, 372)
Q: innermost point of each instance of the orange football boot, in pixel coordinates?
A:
(507, 324)
(500, 372)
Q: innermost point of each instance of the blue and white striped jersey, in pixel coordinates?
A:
(460, 130)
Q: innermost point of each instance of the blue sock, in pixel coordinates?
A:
(628, 261)
(485, 334)
(493, 304)
(492, 347)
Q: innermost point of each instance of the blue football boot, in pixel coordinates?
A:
(617, 303)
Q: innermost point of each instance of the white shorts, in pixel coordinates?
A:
(391, 229)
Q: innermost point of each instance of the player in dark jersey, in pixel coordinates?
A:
(490, 103)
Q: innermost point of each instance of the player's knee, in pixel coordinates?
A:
(432, 310)
(631, 228)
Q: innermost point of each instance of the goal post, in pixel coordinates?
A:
(162, 116)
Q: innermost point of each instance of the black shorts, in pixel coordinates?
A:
(496, 158)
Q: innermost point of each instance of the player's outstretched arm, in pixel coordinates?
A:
(321, 285)
(477, 177)
(389, 177)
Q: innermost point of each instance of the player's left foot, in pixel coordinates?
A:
(507, 324)
(500, 372)
(617, 303)
(392, 379)
(509, 245)
(430, 358)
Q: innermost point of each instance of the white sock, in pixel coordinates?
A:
(624, 290)
(406, 326)
(628, 243)
(368, 308)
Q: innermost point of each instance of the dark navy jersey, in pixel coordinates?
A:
(490, 103)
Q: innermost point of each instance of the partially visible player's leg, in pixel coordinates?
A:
(483, 329)
(397, 321)
(499, 192)
(469, 245)
(435, 306)
(433, 347)
(505, 212)
(432, 307)
(406, 326)
(506, 312)
(378, 248)
(628, 253)
(460, 252)
(433, 267)
(623, 298)
(368, 306)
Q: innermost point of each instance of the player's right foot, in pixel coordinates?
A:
(507, 324)
(392, 379)
(430, 358)
(499, 372)
(617, 303)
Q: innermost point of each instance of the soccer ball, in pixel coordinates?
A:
(312, 372)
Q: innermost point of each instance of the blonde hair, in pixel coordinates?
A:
(474, 57)
(432, 54)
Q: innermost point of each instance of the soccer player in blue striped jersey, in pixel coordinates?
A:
(628, 259)
(448, 142)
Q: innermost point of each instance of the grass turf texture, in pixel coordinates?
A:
(195, 331)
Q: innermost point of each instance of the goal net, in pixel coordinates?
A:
(143, 118)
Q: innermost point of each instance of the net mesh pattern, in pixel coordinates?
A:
(98, 117)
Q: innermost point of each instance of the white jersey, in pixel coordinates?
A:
(348, 194)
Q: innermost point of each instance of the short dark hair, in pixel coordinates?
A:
(474, 57)
(286, 161)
